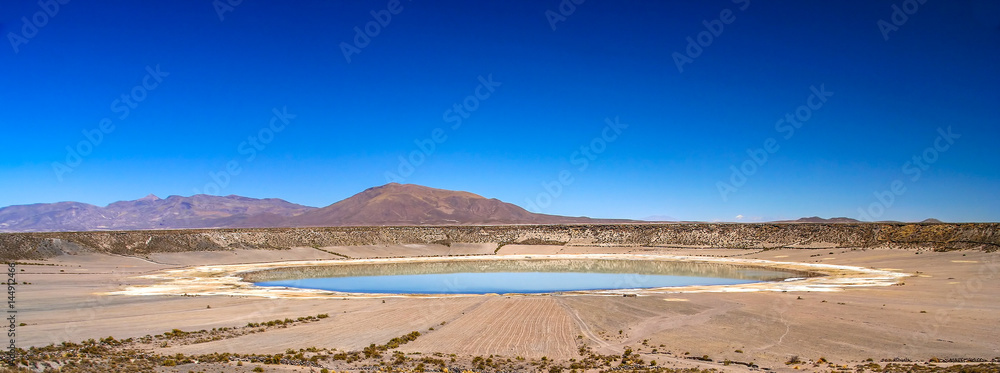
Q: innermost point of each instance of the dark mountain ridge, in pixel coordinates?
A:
(150, 212)
(390, 204)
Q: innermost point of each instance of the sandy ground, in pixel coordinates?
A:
(948, 308)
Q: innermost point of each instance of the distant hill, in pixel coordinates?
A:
(150, 212)
(817, 219)
(409, 204)
(390, 204)
(659, 218)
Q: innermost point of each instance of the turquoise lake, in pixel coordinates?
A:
(499, 282)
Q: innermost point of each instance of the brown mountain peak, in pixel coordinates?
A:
(411, 204)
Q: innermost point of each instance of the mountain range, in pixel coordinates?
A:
(817, 219)
(390, 204)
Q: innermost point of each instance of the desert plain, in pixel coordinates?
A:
(943, 312)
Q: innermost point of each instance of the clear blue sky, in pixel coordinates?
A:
(221, 78)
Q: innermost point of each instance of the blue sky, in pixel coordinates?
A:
(262, 102)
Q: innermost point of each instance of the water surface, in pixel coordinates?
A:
(510, 276)
(498, 282)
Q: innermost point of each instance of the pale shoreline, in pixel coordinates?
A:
(226, 280)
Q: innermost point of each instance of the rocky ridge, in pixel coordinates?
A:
(977, 236)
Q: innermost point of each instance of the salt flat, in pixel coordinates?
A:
(948, 306)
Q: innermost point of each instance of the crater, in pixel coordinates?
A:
(749, 275)
(518, 275)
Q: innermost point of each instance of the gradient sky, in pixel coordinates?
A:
(353, 120)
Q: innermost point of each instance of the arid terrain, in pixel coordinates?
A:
(944, 312)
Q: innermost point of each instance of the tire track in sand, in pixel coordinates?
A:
(581, 324)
